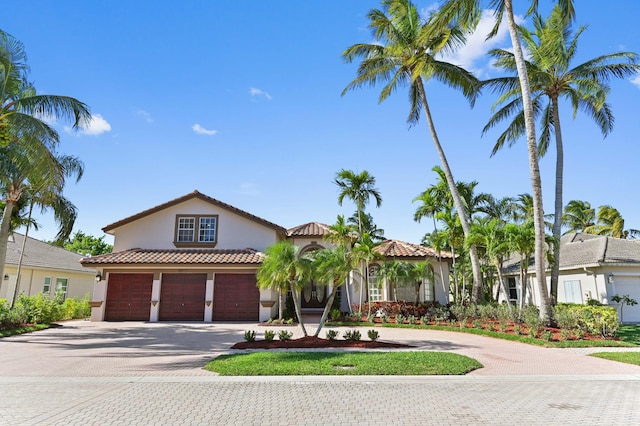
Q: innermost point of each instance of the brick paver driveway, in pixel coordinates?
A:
(141, 373)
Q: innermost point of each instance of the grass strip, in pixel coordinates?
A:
(22, 330)
(626, 357)
(342, 363)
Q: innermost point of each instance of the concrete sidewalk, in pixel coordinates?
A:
(151, 373)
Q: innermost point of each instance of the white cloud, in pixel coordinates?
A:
(96, 126)
(202, 131)
(145, 115)
(471, 56)
(258, 92)
(248, 188)
(636, 81)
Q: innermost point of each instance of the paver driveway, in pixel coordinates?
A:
(143, 373)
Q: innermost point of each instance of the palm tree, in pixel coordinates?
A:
(359, 188)
(28, 142)
(490, 235)
(552, 49)
(578, 216)
(521, 238)
(466, 13)
(404, 53)
(611, 223)
(376, 234)
(283, 268)
(343, 235)
(331, 267)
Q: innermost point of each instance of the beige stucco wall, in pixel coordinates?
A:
(32, 282)
(157, 231)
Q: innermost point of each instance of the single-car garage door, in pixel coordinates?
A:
(128, 297)
(182, 297)
(236, 297)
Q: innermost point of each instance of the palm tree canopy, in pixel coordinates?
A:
(404, 53)
(358, 187)
(578, 216)
(552, 48)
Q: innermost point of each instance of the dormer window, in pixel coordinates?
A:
(196, 231)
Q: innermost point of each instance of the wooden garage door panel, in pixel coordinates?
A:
(182, 297)
(236, 297)
(128, 297)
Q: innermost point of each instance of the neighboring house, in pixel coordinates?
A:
(195, 259)
(45, 268)
(591, 267)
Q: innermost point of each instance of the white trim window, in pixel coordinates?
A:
(62, 285)
(46, 288)
(207, 229)
(186, 229)
(375, 290)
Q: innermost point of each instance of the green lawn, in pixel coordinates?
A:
(628, 357)
(630, 333)
(342, 363)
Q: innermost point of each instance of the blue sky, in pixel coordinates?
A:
(241, 101)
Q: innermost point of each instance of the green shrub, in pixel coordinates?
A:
(332, 334)
(285, 335)
(353, 335)
(373, 335)
(601, 320)
(269, 335)
(335, 314)
(531, 317)
(250, 336)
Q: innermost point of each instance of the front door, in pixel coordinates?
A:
(313, 296)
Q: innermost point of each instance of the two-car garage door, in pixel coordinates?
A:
(182, 297)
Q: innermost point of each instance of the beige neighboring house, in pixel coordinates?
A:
(591, 267)
(45, 268)
(195, 258)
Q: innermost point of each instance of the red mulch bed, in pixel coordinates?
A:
(311, 342)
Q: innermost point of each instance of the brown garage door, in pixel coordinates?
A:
(236, 297)
(128, 297)
(182, 297)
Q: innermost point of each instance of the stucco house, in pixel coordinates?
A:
(45, 268)
(591, 267)
(195, 258)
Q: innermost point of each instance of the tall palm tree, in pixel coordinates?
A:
(552, 48)
(578, 216)
(466, 13)
(404, 53)
(359, 188)
(376, 234)
(283, 268)
(28, 142)
(344, 235)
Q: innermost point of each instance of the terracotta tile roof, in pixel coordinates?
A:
(177, 257)
(395, 248)
(194, 194)
(311, 229)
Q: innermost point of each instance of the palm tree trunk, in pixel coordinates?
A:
(456, 299)
(435, 229)
(532, 148)
(457, 200)
(557, 220)
(498, 265)
(327, 308)
(24, 243)
(281, 302)
(4, 232)
(296, 304)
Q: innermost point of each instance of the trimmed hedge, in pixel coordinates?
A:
(602, 320)
(41, 309)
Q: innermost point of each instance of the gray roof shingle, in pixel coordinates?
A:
(38, 254)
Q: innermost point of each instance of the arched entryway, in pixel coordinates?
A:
(313, 296)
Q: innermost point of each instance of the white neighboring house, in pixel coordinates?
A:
(45, 268)
(591, 267)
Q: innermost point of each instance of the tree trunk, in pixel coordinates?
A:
(435, 229)
(532, 148)
(296, 304)
(557, 220)
(457, 200)
(4, 232)
(24, 243)
(498, 265)
(281, 303)
(456, 299)
(327, 309)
